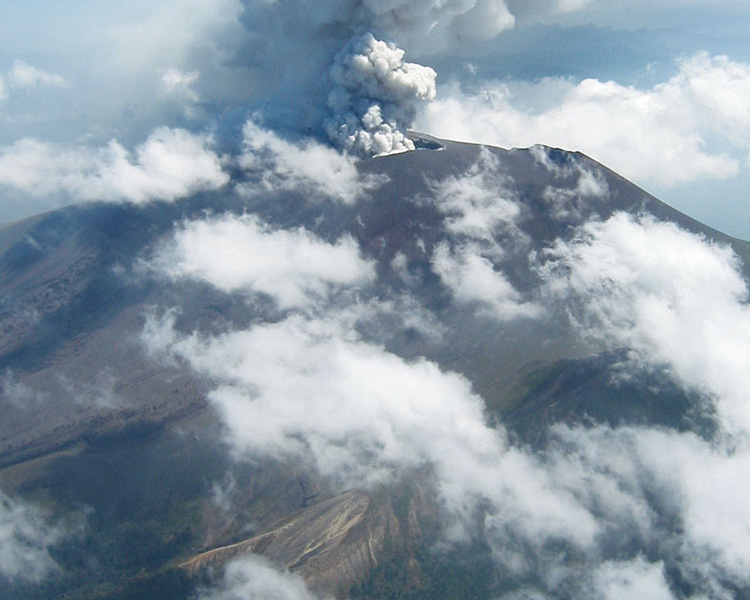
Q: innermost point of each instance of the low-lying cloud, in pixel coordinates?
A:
(254, 578)
(571, 204)
(26, 536)
(479, 203)
(691, 127)
(474, 280)
(273, 163)
(671, 297)
(241, 254)
(599, 511)
(170, 164)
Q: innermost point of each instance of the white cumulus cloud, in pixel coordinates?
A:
(313, 390)
(179, 86)
(170, 164)
(242, 254)
(672, 297)
(254, 578)
(23, 75)
(696, 125)
(473, 279)
(479, 202)
(308, 165)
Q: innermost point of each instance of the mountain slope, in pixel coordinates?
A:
(98, 423)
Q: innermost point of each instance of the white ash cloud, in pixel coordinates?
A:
(374, 96)
(170, 164)
(26, 536)
(295, 267)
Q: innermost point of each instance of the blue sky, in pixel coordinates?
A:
(659, 91)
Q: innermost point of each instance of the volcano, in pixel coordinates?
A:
(437, 376)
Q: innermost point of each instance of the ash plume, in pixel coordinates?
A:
(344, 76)
(373, 97)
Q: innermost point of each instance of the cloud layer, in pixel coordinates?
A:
(26, 536)
(295, 268)
(170, 164)
(277, 164)
(693, 126)
(253, 578)
(597, 512)
(671, 297)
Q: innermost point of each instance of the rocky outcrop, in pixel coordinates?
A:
(333, 544)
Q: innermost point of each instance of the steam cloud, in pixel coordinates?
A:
(373, 97)
(356, 87)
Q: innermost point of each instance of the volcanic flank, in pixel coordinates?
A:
(451, 371)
